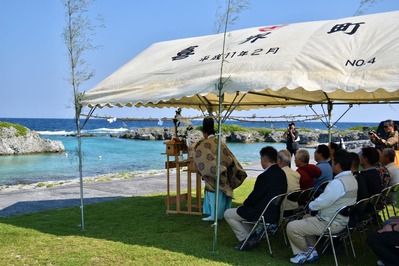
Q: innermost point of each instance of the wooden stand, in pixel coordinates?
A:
(175, 203)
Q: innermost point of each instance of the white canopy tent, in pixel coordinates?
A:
(346, 61)
(351, 60)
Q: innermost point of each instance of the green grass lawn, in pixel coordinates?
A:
(137, 231)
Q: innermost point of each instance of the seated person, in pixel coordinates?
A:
(270, 183)
(384, 173)
(384, 243)
(309, 172)
(333, 147)
(355, 164)
(369, 179)
(340, 192)
(358, 214)
(283, 161)
(388, 159)
(321, 156)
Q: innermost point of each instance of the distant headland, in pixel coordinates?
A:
(16, 139)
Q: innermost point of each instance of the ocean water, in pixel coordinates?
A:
(103, 154)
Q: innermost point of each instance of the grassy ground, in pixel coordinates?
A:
(136, 231)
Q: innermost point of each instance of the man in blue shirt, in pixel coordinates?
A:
(321, 156)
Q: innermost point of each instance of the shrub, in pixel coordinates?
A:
(262, 131)
(228, 128)
(361, 128)
(234, 127)
(21, 130)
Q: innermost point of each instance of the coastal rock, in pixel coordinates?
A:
(352, 138)
(12, 144)
(274, 137)
(152, 133)
(239, 136)
(155, 133)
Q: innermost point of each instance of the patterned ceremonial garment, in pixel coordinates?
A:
(231, 172)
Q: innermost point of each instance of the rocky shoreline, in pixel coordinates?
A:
(352, 138)
(12, 143)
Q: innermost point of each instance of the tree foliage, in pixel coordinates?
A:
(77, 35)
(363, 6)
(229, 15)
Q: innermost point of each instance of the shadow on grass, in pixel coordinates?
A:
(142, 221)
(25, 207)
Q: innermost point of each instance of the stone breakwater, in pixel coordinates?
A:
(31, 142)
(352, 138)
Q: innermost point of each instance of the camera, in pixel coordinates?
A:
(372, 132)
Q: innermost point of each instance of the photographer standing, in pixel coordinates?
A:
(291, 135)
(391, 136)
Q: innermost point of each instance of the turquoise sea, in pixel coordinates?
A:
(103, 154)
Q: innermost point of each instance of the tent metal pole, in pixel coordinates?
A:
(329, 123)
(90, 114)
(219, 87)
(311, 107)
(215, 224)
(82, 225)
(233, 106)
(80, 155)
(350, 106)
(329, 110)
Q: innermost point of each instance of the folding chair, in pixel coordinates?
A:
(379, 204)
(373, 213)
(306, 196)
(319, 190)
(392, 202)
(345, 211)
(275, 201)
(303, 201)
(293, 196)
(359, 220)
(384, 201)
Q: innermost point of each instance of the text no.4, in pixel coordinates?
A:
(359, 62)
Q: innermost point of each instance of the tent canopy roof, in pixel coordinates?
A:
(350, 60)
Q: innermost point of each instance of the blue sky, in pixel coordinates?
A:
(33, 64)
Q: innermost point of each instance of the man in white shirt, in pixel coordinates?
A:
(388, 158)
(340, 192)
